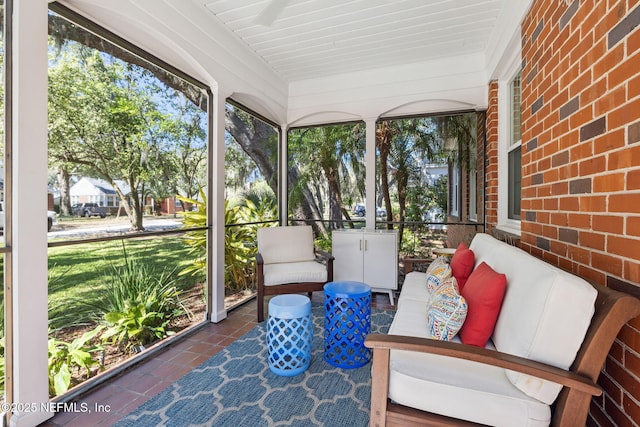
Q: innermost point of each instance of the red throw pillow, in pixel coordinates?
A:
(462, 264)
(484, 293)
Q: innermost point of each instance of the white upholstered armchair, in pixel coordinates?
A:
(288, 263)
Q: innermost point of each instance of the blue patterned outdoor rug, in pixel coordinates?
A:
(236, 388)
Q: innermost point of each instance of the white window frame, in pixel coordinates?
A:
(473, 195)
(455, 189)
(511, 68)
(472, 181)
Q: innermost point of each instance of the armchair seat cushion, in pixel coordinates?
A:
(294, 272)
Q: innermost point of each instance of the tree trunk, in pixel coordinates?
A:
(133, 212)
(64, 182)
(383, 142)
(402, 180)
(336, 204)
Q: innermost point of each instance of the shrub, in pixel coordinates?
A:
(137, 325)
(138, 304)
(239, 242)
(64, 357)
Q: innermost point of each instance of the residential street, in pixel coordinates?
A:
(94, 227)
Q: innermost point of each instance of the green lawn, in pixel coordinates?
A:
(76, 272)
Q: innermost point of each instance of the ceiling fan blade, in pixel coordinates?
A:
(271, 12)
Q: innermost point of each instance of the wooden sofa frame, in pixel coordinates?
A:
(290, 288)
(613, 310)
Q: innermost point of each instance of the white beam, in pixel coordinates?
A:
(370, 167)
(216, 208)
(29, 212)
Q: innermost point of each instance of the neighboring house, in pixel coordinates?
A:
(170, 205)
(93, 190)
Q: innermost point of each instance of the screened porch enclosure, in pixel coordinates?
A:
(549, 89)
(428, 183)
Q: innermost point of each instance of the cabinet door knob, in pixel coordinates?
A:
(365, 245)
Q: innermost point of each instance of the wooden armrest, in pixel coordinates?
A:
(410, 262)
(323, 254)
(259, 258)
(486, 356)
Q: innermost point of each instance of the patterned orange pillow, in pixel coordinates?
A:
(447, 311)
(437, 274)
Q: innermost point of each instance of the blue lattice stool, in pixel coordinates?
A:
(347, 322)
(289, 334)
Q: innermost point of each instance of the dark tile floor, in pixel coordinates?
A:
(117, 397)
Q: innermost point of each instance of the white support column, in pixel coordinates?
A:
(370, 167)
(216, 209)
(283, 179)
(29, 289)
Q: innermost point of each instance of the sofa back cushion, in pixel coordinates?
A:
(545, 313)
(286, 244)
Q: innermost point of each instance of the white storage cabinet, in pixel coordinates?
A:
(368, 256)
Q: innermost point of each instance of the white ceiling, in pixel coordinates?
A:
(322, 61)
(319, 38)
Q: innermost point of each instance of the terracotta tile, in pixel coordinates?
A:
(145, 383)
(101, 393)
(149, 366)
(215, 339)
(157, 388)
(108, 421)
(201, 358)
(125, 381)
(200, 348)
(168, 354)
(91, 418)
(63, 418)
(178, 373)
(127, 408)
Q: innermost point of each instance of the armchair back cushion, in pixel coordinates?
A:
(286, 244)
(550, 326)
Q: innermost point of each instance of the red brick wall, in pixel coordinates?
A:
(491, 152)
(581, 162)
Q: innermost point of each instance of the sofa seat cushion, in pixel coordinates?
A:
(411, 319)
(545, 312)
(294, 272)
(414, 288)
(462, 389)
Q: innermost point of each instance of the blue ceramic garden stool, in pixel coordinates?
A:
(347, 322)
(289, 334)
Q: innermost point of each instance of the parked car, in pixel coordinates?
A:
(51, 219)
(359, 210)
(88, 209)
